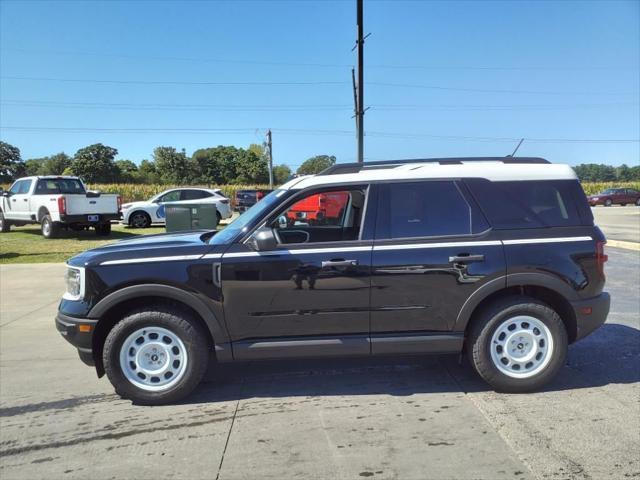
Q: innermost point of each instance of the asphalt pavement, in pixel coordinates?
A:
(383, 418)
(619, 223)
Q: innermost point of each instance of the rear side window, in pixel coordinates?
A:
(425, 209)
(531, 204)
(194, 194)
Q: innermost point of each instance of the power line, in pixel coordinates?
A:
(296, 131)
(277, 63)
(304, 83)
(169, 82)
(304, 107)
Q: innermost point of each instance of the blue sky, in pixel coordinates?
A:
(441, 78)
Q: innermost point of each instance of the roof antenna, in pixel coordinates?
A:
(517, 147)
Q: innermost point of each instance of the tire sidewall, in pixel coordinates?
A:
(194, 343)
(483, 362)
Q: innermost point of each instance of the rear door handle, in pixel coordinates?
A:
(466, 258)
(339, 263)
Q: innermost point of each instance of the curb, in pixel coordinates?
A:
(622, 244)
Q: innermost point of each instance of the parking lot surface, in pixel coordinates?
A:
(405, 418)
(619, 223)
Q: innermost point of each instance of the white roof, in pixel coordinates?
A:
(496, 171)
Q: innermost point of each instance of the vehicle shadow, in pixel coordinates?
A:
(610, 356)
(87, 234)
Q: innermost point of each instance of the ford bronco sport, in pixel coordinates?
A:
(498, 258)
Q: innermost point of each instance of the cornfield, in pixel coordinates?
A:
(136, 192)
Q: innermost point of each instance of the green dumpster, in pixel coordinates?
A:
(190, 216)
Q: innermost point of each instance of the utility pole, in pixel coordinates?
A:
(360, 105)
(270, 148)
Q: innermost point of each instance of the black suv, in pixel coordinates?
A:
(498, 258)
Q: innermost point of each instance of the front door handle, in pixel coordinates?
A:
(465, 258)
(339, 263)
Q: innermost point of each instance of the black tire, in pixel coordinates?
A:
(485, 324)
(608, 202)
(139, 220)
(5, 225)
(623, 204)
(180, 324)
(50, 229)
(103, 229)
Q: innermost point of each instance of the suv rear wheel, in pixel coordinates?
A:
(517, 344)
(156, 356)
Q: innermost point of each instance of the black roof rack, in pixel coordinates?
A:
(341, 168)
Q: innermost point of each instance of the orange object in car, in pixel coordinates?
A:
(319, 208)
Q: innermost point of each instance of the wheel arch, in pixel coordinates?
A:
(111, 309)
(548, 289)
(42, 211)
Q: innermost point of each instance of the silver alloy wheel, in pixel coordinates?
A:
(139, 220)
(521, 346)
(153, 358)
(46, 227)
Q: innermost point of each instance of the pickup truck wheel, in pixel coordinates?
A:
(103, 229)
(50, 229)
(5, 226)
(518, 344)
(139, 220)
(156, 356)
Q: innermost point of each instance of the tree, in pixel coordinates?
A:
(127, 171)
(56, 164)
(147, 172)
(221, 164)
(94, 164)
(281, 174)
(316, 164)
(11, 164)
(171, 165)
(34, 166)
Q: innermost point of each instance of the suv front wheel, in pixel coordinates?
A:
(517, 344)
(156, 356)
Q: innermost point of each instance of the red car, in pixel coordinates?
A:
(619, 196)
(322, 208)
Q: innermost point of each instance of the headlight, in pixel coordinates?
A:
(74, 280)
(125, 206)
(595, 198)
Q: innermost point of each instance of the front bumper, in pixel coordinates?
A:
(588, 322)
(79, 333)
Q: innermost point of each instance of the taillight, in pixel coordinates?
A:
(119, 202)
(259, 195)
(601, 257)
(62, 205)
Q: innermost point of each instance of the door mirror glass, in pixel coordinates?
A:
(263, 240)
(282, 221)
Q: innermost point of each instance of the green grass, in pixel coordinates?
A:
(27, 245)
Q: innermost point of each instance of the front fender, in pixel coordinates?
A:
(192, 300)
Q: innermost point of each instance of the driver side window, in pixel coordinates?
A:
(326, 216)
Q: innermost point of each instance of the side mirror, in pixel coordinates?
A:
(5, 194)
(282, 221)
(263, 240)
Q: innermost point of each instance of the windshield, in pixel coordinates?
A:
(247, 219)
(609, 191)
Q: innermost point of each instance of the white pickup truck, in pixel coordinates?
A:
(57, 202)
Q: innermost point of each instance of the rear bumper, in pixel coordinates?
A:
(84, 219)
(69, 328)
(588, 322)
